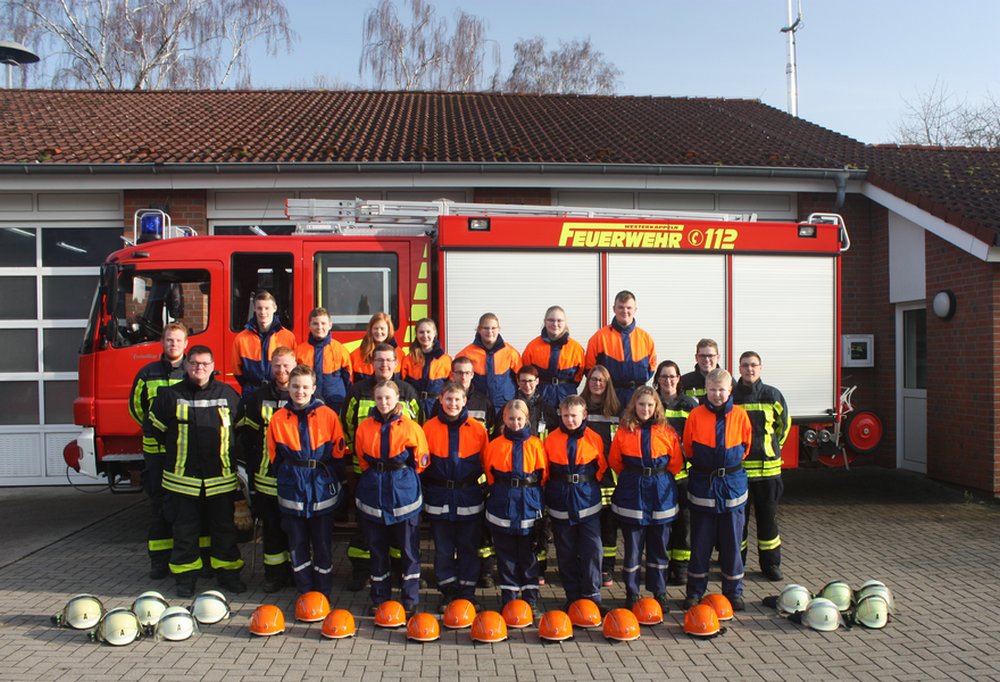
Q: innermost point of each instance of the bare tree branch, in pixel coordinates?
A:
(935, 117)
(574, 67)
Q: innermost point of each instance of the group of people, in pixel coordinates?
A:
(495, 449)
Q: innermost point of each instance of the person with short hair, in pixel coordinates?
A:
(706, 358)
(255, 416)
(254, 345)
(495, 362)
(380, 330)
(771, 424)
(559, 359)
(627, 351)
(427, 367)
(515, 469)
(165, 371)
(646, 454)
(305, 445)
(717, 437)
(454, 502)
(576, 464)
(193, 421)
(329, 359)
(478, 404)
(392, 451)
(541, 418)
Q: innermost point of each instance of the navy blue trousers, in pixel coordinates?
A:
(710, 530)
(654, 540)
(578, 551)
(517, 565)
(456, 555)
(310, 543)
(406, 536)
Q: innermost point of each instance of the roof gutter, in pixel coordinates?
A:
(837, 175)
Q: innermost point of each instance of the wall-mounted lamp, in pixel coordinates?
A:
(944, 304)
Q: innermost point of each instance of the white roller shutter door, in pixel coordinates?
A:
(519, 286)
(784, 308)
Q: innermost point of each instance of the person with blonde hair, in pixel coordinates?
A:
(494, 361)
(427, 368)
(380, 330)
(559, 359)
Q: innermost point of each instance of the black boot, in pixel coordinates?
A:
(230, 580)
(186, 584)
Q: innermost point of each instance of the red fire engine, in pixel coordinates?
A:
(773, 287)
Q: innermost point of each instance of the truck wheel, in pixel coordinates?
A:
(863, 431)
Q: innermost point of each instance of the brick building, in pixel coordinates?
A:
(75, 165)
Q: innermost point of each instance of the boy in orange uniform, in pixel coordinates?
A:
(328, 358)
(256, 343)
(627, 351)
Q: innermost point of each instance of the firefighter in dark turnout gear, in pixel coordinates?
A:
(165, 372)
(194, 420)
(603, 412)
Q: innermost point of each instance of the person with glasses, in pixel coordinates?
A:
(494, 361)
(771, 423)
(193, 421)
(677, 407)
(559, 359)
(706, 356)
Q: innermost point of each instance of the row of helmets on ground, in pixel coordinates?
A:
(702, 620)
(836, 605)
(149, 616)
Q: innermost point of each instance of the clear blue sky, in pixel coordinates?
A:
(858, 60)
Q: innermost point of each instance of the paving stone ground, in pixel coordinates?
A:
(937, 548)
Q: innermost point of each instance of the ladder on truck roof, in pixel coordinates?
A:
(406, 217)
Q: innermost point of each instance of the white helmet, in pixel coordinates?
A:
(872, 611)
(148, 607)
(793, 598)
(840, 593)
(823, 615)
(81, 612)
(176, 624)
(117, 627)
(879, 588)
(210, 607)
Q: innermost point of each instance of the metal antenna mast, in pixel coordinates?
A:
(793, 84)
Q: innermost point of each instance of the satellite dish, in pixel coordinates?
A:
(16, 54)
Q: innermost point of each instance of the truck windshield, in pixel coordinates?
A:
(148, 300)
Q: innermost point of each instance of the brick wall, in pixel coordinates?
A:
(962, 369)
(185, 207)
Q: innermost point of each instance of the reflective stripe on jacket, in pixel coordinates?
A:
(251, 435)
(578, 453)
(391, 451)
(148, 382)
(296, 438)
(717, 440)
(361, 402)
(451, 480)
(646, 460)
(676, 412)
(771, 423)
(515, 470)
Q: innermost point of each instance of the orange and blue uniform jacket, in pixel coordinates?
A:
(451, 480)
(496, 370)
(391, 452)
(515, 471)
(646, 460)
(332, 364)
(576, 465)
(716, 440)
(628, 353)
(366, 370)
(428, 376)
(306, 449)
(560, 366)
(252, 351)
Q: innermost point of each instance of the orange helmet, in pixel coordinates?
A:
(720, 603)
(422, 627)
(701, 620)
(489, 627)
(585, 613)
(459, 614)
(267, 620)
(390, 614)
(555, 626)
(338, 624)
(648, 611)
(517, 614)
(621, 624)
(311, 607)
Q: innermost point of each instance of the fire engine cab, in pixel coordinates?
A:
(772, 287)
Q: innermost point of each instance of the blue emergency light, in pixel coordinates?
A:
(150, 226)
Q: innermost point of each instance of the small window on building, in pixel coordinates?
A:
(915, 348)
(17, 247)
(78, 247)
(148, 300)
(354, 286)
(255, 272)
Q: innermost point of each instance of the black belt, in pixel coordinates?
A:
(630, 384)
(721, 471)
(381, 466)
(424, 395)
(451, 484)
(646, 472)
(555, 381)
(306, 463)
(516, 482)
(572, 478)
